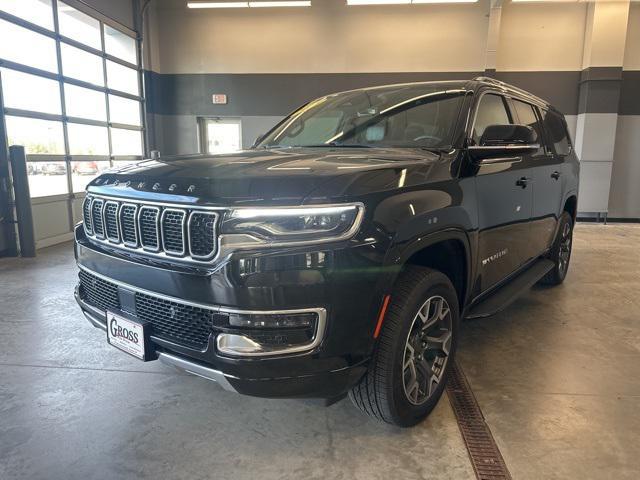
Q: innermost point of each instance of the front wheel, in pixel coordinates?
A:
(415, 350)
(560, 253)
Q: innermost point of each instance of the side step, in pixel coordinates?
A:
(505, 295)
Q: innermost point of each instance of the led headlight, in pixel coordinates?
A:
(291, 225)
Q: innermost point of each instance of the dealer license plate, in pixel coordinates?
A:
(126, 335)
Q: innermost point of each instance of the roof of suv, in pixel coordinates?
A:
(471, 85)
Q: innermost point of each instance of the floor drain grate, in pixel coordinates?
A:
(485, 456)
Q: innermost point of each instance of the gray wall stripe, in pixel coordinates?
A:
(278, 94)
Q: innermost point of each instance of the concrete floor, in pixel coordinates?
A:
(557, 376)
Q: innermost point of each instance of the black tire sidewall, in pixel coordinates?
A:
(404, 412)
(565, 218)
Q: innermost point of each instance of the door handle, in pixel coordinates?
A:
(523, 182)
(556, 175)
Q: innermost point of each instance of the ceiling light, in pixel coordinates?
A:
(218, 4)
(378, 2)
(280, 4)
(444, 1)
(263, 4)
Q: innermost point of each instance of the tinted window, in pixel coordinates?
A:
(556, 129)
(491, 111)
(527, 116)
(401, 116)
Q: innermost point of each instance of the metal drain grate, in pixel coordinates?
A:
(483, 451)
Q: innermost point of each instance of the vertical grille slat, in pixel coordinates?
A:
(112, 230)
(157, 229)
(86, 215)
(202, 234)
(96, 217)
(128, 213)
(148, 225)
(172, 225)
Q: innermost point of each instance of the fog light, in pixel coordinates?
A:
(272, 333)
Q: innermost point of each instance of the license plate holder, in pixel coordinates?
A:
(128, 335)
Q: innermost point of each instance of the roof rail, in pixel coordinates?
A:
(508, 86)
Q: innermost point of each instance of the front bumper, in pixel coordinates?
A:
(327, 371)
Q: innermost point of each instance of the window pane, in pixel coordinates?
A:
(37, 136)
(79, 26)
(122, 78)
(81, 65)
(491, 111)
(85, 103)
(29, 92)
(126, 142)
(47, 178)
(20, 45)
(556, 128)
(123, 110)
(34, 11)
(526, 116)
(87, 139)
(119, 44)
(85, 171)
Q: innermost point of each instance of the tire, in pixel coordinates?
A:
(388, 390)
(560, 253)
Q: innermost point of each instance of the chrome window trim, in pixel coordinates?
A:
(158, 240)
(214, 252)
(104, 220)
(135, 225)
(306, 348)
(182, 224)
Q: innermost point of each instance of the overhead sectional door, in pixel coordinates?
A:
(71, 90)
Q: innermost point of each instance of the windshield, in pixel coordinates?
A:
(401, 116)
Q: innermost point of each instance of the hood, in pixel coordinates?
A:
(276, 177)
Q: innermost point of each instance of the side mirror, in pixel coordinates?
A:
(505, 140)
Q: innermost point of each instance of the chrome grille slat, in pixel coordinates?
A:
(86, 215)
(97, 219)
(111, 227)
(170, 231)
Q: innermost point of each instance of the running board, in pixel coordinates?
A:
(505, 295)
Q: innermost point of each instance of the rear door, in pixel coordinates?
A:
(546, 171)
(505, 200)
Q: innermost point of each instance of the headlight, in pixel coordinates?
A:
(290, 225)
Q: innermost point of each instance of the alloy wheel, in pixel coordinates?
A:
(427, 350)
(565, 249)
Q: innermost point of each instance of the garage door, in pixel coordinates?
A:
(71, 94)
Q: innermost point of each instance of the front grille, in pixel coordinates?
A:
(202, 234)
(96, 217)
(86, 214)
(128, 224)
(184, 324)
(149, 235)
(111, 221)
(173, 231)
(98, 292)
(181, 232)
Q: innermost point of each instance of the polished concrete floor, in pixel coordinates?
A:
(557, 376)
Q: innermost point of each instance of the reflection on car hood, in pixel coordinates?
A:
(275, 176)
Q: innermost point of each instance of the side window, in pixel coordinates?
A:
(491, 111)
(527, 116)
(556, 129)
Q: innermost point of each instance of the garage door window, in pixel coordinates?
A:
(71, 85)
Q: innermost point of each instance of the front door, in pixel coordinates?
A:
(505, 202)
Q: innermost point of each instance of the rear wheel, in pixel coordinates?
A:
(560, 253)
(411, 363)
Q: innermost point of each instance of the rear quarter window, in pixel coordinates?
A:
(556, 128)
